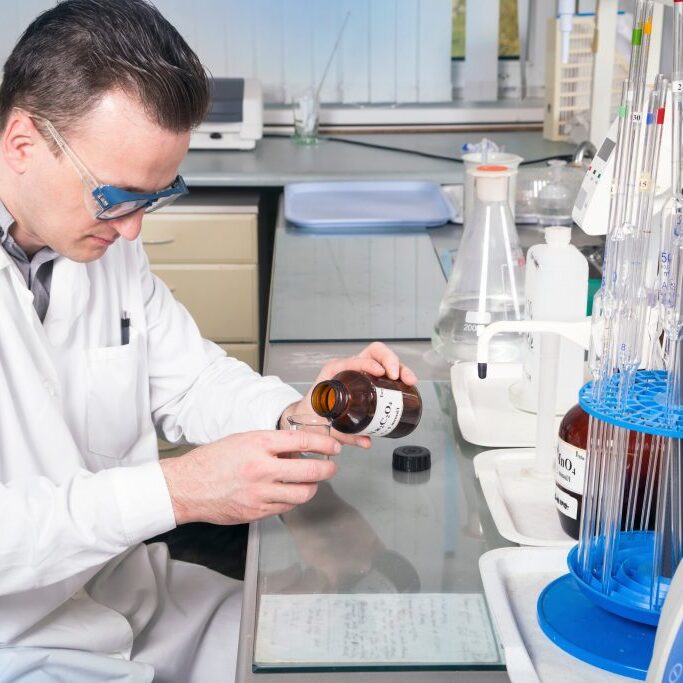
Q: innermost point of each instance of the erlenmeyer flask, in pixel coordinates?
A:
(486, 284)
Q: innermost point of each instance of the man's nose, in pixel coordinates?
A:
(129, 226)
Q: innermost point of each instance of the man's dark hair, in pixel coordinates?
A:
(74, 53)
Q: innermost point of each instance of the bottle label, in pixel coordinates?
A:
(570, 467)
(567, 505)
(387, 413)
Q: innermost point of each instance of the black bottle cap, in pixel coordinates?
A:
(412, 459)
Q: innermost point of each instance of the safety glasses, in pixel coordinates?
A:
(106, 202)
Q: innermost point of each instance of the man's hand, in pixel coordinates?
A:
(378, 360)
(241, 478)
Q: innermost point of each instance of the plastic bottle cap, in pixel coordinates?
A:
(412, 459)
(496, 168)
(558, 235)
(491, 182)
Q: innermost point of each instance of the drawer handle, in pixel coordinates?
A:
(169, 240)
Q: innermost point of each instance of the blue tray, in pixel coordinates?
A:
(361, 205)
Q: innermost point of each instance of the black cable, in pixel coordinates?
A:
(415, 152)
(389, 148)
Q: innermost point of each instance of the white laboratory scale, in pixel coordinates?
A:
(235, 116)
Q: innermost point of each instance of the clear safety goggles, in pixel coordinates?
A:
(106, 202)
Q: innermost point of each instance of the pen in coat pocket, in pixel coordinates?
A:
(125, 328)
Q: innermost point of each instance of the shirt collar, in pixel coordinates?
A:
(6, 222)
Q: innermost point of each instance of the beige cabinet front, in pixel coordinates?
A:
(247, 353)
(197, 238)
(222, 299)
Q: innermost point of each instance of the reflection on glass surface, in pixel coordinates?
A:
(379, 570)
(347, 287)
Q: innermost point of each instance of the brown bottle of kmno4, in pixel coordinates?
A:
(358, 403)
(570, 472)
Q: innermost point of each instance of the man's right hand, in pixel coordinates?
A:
(241, 478)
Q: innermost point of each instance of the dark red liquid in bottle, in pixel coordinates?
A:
(358, 403)
(570, 472)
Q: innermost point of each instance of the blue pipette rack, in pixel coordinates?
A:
(614, 628)
(644, 409)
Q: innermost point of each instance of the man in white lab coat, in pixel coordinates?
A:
(96, 357)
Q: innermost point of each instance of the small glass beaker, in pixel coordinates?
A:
(310, 422)
(306, 109)
(556, 198)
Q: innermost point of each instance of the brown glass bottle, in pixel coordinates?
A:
(570, 470)
(358, 403)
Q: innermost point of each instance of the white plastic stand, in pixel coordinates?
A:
(513, 579)
(518, 485)
(520, 498)
(485, 412)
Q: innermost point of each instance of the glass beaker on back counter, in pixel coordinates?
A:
(486, 284)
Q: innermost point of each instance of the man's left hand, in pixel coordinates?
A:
(378, 360)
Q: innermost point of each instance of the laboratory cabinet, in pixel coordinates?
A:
(208, 257)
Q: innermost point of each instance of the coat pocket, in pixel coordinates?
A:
(114, 398)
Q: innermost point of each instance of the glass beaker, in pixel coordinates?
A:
(486, 284)
(310, 422)
(306, 110)
(555, 200)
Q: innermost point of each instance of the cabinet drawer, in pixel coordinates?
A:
(247, 353)
(200, 238)
(223, 299)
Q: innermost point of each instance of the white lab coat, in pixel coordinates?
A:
(80, 482)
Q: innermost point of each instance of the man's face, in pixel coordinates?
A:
(120, 146)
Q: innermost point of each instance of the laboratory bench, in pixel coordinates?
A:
(371, 543)
(277, 160)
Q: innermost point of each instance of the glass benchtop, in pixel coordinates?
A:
(331, 287)
(380, 570)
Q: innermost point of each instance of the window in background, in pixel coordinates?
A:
(508, 31)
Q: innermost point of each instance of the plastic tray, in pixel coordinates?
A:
(360, 205)
(513, 580)
(485, 413)
(521, 500)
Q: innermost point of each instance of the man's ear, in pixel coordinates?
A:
(18, 141)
